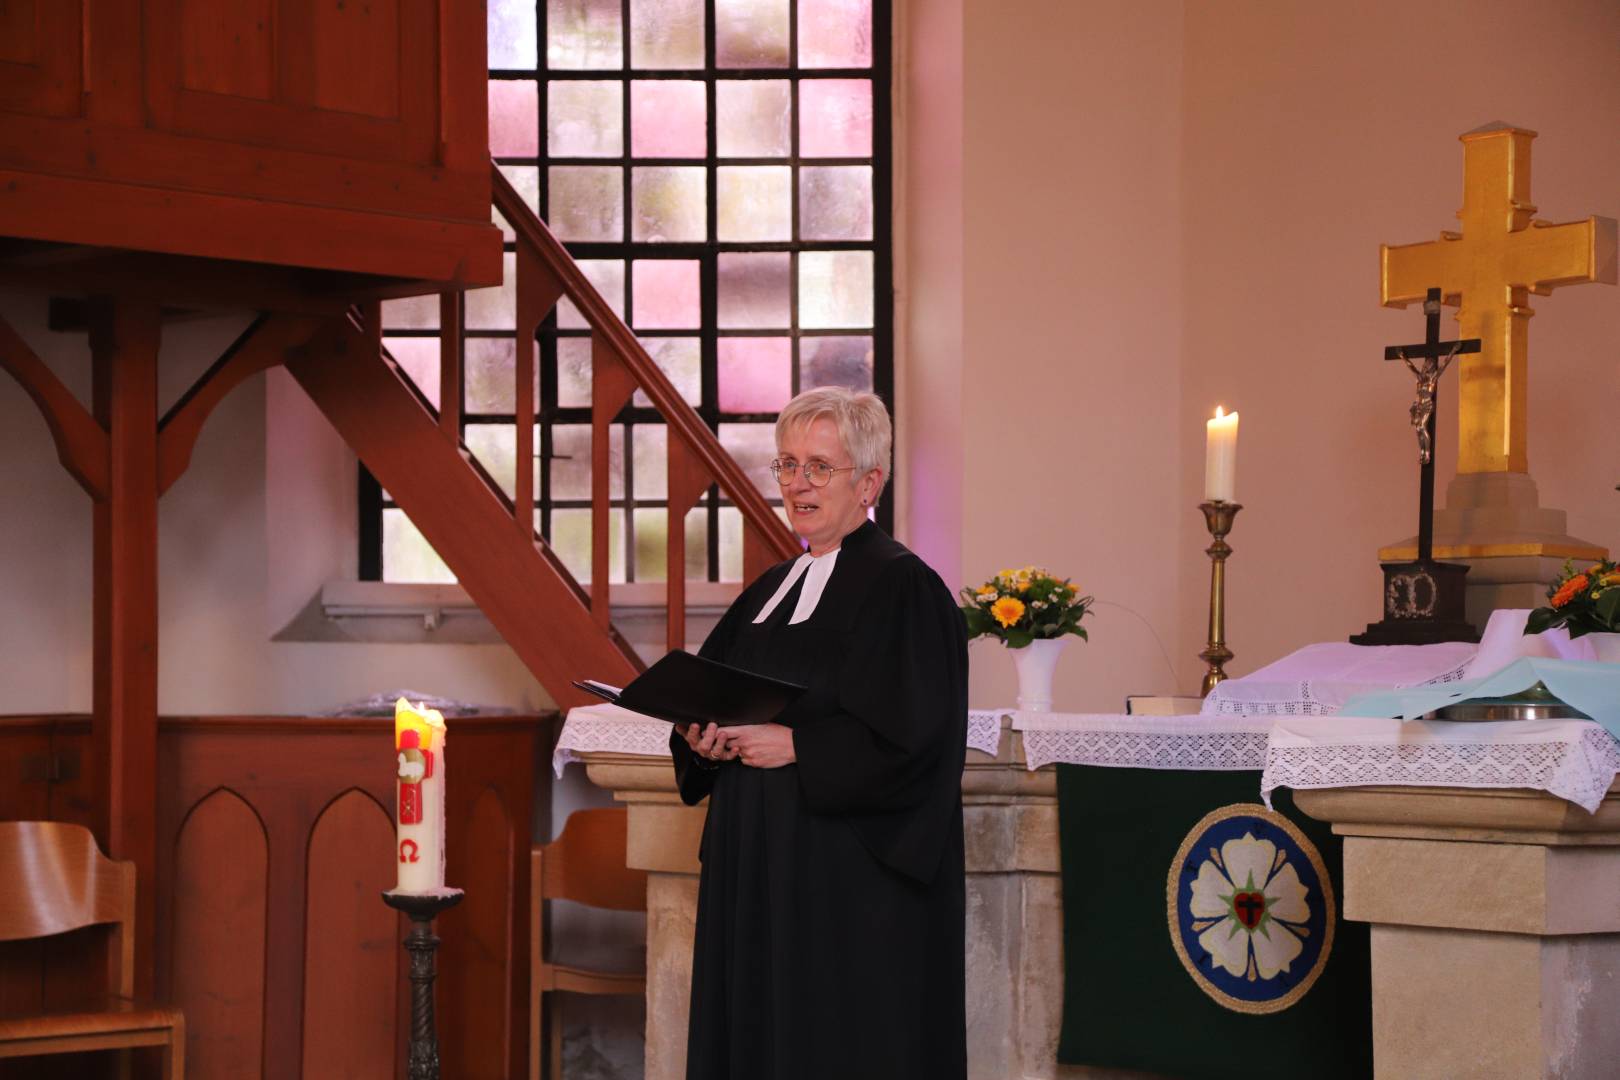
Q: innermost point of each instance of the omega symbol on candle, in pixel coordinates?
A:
(407, 851)
(415, 765)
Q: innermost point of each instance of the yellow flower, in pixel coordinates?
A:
(1007, 610)
(1612, 578)
(987, 593)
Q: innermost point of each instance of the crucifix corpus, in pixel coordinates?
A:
(1424, 599)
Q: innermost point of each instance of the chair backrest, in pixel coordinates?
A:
(586, 863)
(54, 879)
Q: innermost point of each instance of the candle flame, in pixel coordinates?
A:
(1219, 412)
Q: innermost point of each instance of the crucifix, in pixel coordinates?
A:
(1424, 600)
(1428, 361)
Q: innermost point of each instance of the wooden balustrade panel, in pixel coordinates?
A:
(472, 999)
(41, 69)
(221, 870)
(351, 943)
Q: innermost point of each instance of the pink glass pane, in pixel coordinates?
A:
(835, 118)
(835, 361)
(667, 293)
(669, 204)
(666, 34)
(411, 313)
(419, 358)
(668, 118)
(407, 556)
(584, 34)
(511, 34)
(586, 202)
(835, 289)
(571, 539)
(494, 447)
(608, 277)
(573, 372)
(585, 119)
(488, 375)
(525, 180)
(571, 461)
(835, 202)
(754, 291)
(649, 452)
(495, 308)
(752, 117)
(835, 33)
(731, 534)
(682, 360)
(514, 118)
(652, 545)
(755, 374)
(751, 33)
(753, 445)
(756, 203)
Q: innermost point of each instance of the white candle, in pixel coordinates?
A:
(1220, 457)
(419, 753)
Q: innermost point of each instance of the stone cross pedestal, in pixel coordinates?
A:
(1495, 928)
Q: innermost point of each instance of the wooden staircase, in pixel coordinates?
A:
(559, 630)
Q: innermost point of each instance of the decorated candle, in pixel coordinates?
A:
(419, 751)
(1220, 457)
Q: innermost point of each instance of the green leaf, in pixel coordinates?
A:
(1608, 606)
(1541, 620)
(1017, 639)
(978, 622)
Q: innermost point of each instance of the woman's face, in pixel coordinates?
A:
(823, 516)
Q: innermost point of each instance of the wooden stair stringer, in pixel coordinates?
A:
(521, 586)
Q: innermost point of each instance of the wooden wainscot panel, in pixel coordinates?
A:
(41, 62)
(473, 996)
(220, 876)
(352, 956)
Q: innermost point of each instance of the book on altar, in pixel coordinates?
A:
(686, 689)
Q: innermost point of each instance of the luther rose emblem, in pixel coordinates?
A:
(1251, 909)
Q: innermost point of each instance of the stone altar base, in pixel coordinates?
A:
(1494, 523)
(1495, 928)
(1014, 911)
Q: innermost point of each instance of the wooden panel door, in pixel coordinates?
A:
(41, 61)
(356, 79)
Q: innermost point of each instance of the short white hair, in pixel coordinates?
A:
(861, 418)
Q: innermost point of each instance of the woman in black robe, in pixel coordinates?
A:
(830, 926)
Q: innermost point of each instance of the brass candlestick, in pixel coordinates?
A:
(1218, 515)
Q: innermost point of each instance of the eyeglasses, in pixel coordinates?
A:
(819, 473)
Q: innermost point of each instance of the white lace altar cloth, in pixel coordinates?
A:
(610, 729)
(1318, 679)
(1209, 743)
(1573, 759)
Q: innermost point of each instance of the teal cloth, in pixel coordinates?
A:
(1592, 688)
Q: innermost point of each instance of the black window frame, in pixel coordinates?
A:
(372, 501)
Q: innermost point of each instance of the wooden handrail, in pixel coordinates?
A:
(682, 420)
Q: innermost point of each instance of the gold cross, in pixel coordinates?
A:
(1501, 256)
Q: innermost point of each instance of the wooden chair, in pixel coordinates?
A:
(54, 879)
(586, 865)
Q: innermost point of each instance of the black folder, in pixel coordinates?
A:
(687, 689)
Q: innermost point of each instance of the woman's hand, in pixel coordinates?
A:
(763, 746)
(708, 743)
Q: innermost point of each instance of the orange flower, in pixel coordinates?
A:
(1007, 610)
(1570, 590)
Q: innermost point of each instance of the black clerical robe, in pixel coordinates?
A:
(830, 930)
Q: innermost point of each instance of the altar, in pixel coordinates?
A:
(1479, 863)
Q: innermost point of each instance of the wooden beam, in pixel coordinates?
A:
(537, 293)
(261, 346)
(450, 304)
(530, 600)
(124, 347)
(611, 387)
(81, 443)
(687, 481)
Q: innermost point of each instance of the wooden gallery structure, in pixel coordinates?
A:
(303, 161)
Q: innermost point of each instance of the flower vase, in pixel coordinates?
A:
(1035, 663)
(1605, 647)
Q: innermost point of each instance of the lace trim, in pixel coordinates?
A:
(984, 730)
(1580, 768)
(1215, 751)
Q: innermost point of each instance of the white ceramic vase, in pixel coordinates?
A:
(1035, 663)
(1606, 647)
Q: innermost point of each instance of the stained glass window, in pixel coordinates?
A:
(721, 171)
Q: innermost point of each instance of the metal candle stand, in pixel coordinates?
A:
(1218, 515)
(422, 943)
